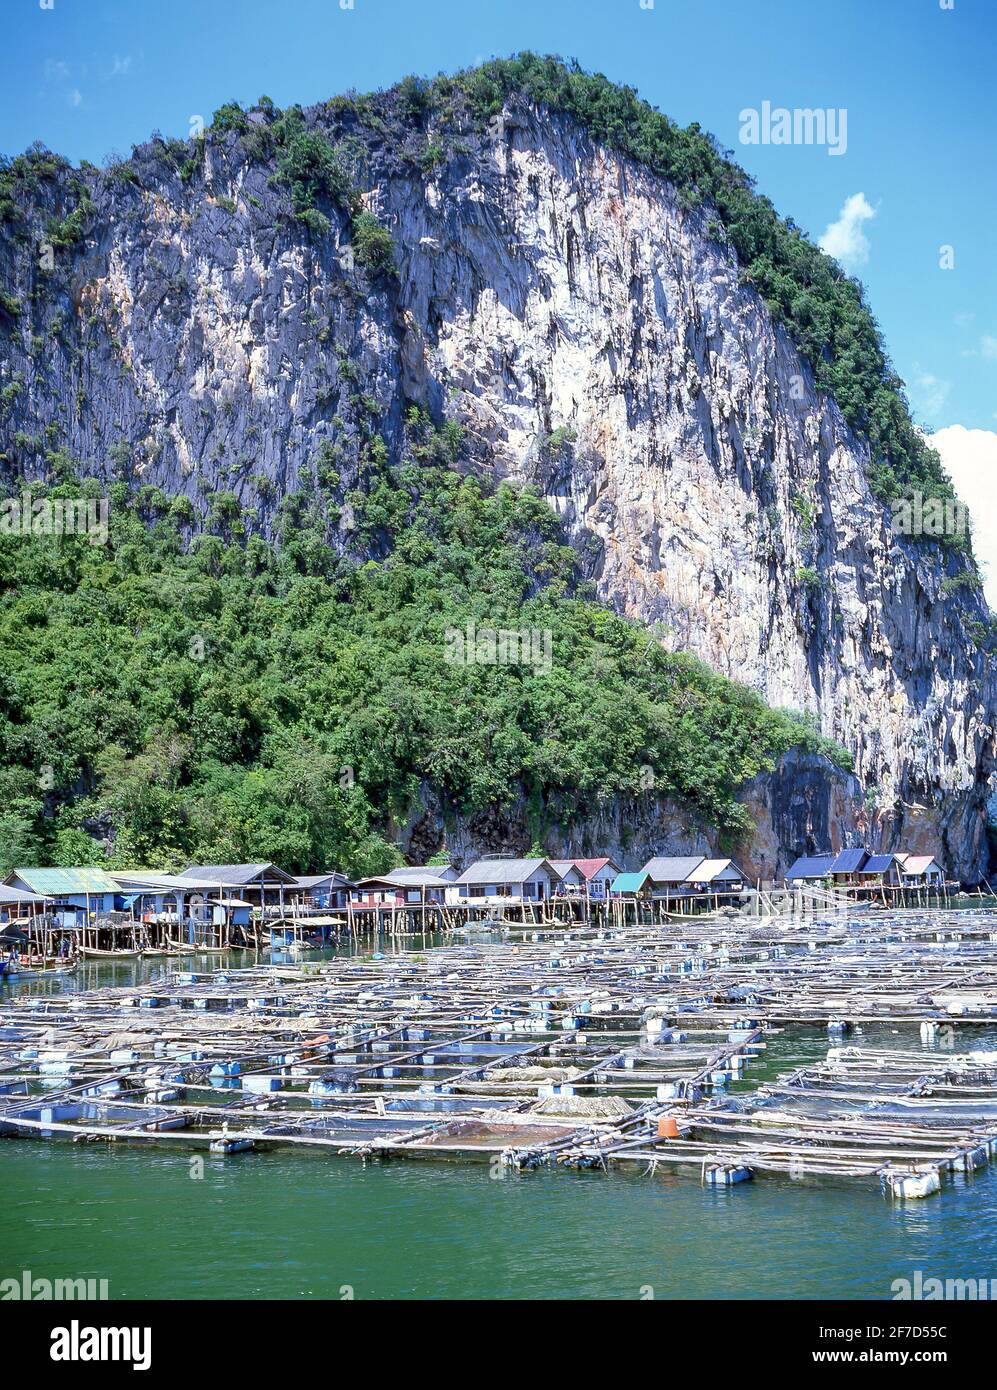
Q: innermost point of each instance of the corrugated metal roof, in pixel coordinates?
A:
(588, 868)
(878, 863)
(675, 870)
(811, 866)
(848, 861)
(18, 895)
(421, 878)
(224, 875)
(629, 883)
(154, 880)
(505, 870)
(711, 869)
(333, 879)
(419, 874)
(53, 882)
(918, 863)
(153, 877)
(563, 867)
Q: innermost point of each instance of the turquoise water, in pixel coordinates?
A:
(126, 974)
(305, 1226)
(308, 1225)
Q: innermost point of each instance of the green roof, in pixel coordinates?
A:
(630, 883)
(53, 882)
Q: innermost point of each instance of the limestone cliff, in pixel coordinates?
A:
(804, 804)
(593, 335)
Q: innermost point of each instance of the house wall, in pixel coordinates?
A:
(98, 902)
(723, 881)
(414, 895)
(536, 888)
(662, 890)
(151, 904)
(326, 897)
(238, 916)
(601, 882)
(377, 897)
(890, 877)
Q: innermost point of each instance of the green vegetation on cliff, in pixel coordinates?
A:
(222, 701)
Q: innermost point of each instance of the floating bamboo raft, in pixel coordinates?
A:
(597, 1048)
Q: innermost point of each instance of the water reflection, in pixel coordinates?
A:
(132, 971)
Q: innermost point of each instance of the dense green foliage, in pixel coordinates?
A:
(316, 173)
(239, 702)
(372, 244)
(823, 308)
(310, 166)
(23, 176)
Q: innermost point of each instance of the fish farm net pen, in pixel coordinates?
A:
(596, 1047)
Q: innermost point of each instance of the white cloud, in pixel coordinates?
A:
(57, 75)
(970, 457)
(988, 345)
(844, 239)
(929, 393)
(120, 67)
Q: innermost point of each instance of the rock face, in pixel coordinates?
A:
(805, 804)
(593, 337)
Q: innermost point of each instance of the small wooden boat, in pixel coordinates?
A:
(11, 970)
(95, 953)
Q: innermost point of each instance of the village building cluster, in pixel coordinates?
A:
(858, 868)
(88, 911)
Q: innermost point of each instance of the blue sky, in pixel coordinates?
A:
(916, 77)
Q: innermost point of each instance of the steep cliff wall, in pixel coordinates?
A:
(707, 479)
(593, 336)
(804, 804)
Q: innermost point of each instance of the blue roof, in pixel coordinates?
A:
(877, 863)
(848, 861)
(629, 883)
(811, 866)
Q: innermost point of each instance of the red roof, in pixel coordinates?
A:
(588, 868)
